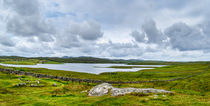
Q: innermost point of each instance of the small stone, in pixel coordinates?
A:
(34, 85)
(146, 99)
(54, 84)
(24, 84)
(84, 91)
(155, 96)
(21, 84)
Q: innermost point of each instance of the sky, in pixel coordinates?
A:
(170, 30)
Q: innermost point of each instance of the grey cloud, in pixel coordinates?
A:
(107, 49)
(6, 41)
(184, 37)
(139, 37)
(67, 41)
(87, 30)
(150, 31)
(205, 26)
(23, 7)
(28, 22)
(122, 49)
(79, 34)
(30, 26)
(153, 34)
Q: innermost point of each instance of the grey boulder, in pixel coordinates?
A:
(123, 91)
(100, 90)
(104, 88)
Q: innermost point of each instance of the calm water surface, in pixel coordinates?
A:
(84, 67)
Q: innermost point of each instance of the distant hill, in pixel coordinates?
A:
(66, 59)
(83, 59)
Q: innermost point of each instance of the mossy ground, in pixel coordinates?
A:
(187, 92)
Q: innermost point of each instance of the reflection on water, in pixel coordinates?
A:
(84, 67)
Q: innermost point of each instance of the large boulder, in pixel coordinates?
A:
(100, 90)
(104, 89)
(123, 91)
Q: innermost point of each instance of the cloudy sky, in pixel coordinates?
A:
(177, 30)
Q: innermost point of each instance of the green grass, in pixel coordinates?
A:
(26, 61)
(188, 92)
(19, 62)
(51, 62)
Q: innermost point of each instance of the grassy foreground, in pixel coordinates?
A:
(191, 91)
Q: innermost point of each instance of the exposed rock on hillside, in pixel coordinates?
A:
(123, 91)
(104, 89)
(100, 90)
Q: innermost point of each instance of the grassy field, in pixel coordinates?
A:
(191, 91)
(160, 73)
(26, 61)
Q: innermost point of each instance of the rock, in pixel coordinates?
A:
(100, 90)
(84, 91)
(156, 95)
(123, 91)
(21, 84)
(104, 88)
(54, 84)
(34, 85)
(38, 82)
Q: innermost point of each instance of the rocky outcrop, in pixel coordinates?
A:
(104, 88)
(100, 90)
(123, 91)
